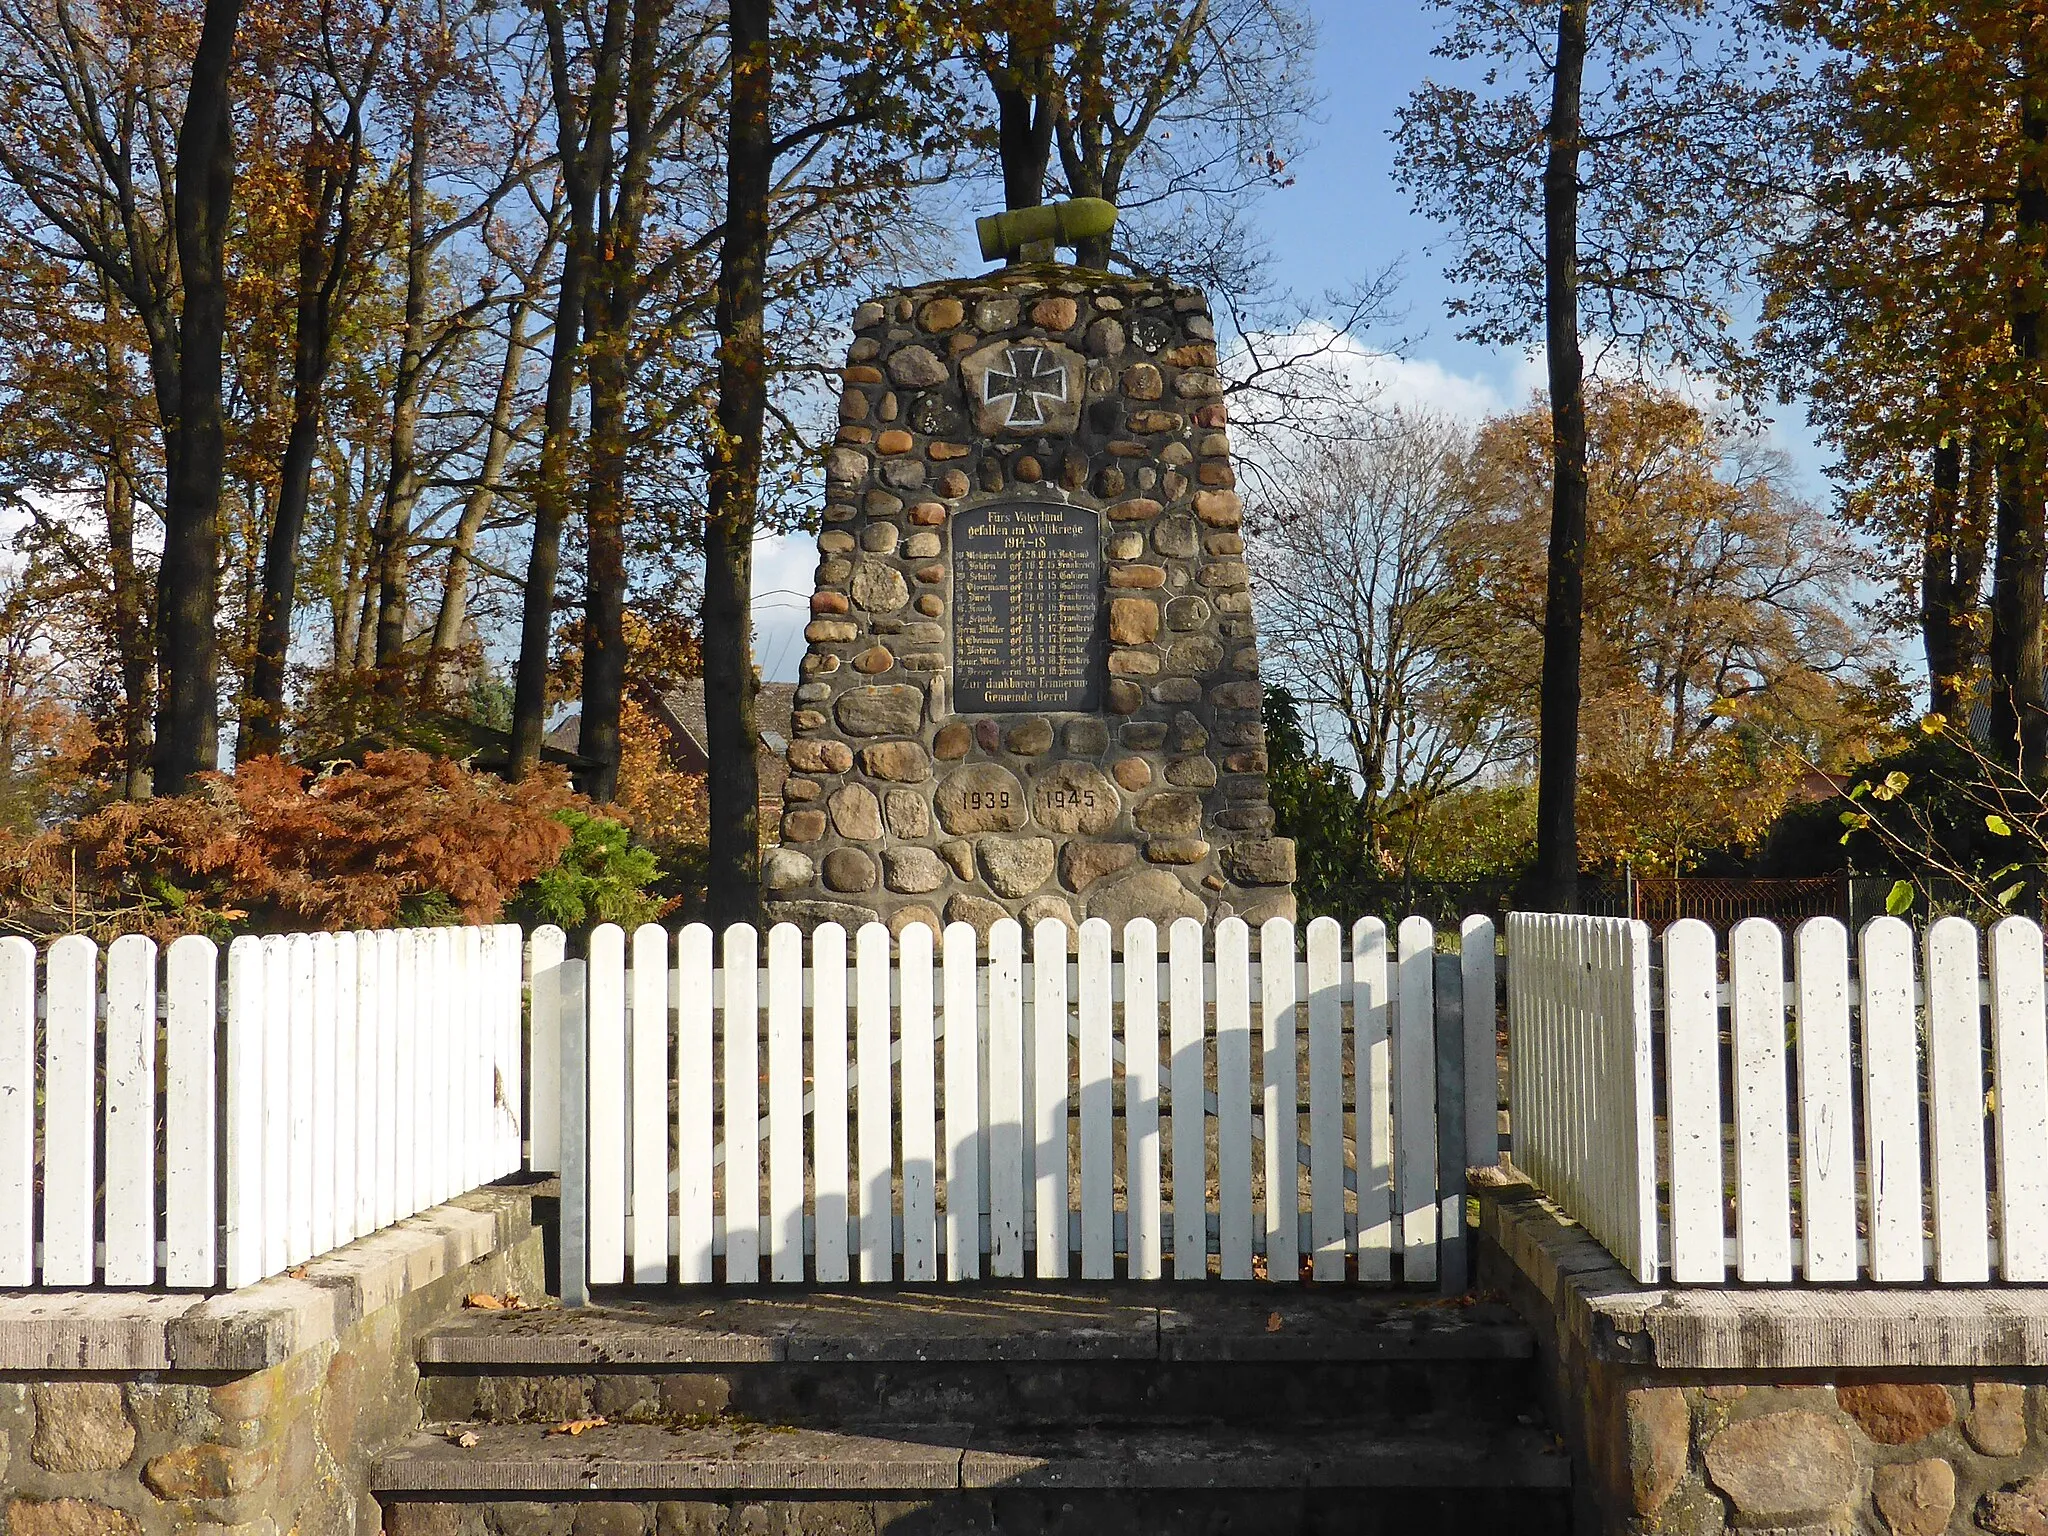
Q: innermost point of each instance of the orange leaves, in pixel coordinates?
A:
(401, 837)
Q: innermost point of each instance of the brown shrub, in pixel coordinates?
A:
(405, 836)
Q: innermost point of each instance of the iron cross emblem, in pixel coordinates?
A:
(1033, 380)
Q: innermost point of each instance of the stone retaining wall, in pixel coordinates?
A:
(1153, 805)
(1792, 1411)
(251, 1414)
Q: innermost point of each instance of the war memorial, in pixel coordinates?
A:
(1032, 685)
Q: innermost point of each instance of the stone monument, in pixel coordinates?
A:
(1032, 685)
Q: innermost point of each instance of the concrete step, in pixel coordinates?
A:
(681, 1478)
(1253, 1355)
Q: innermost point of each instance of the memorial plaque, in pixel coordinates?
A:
(1027, 601)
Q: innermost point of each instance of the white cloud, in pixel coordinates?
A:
(784, 576)
(1354, 371)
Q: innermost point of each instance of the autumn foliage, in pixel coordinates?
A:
(404, 838)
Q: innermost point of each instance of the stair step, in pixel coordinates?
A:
(1210, 1323)
(530, 1462)
(1264, 1357)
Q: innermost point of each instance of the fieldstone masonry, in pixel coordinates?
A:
(1032, 688)
(263, 1412)
(1794, 1412)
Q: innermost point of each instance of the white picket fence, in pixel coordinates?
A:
(976, 1112)
(1813, 1059)
(150, 1135)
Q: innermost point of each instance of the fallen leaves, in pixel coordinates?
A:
(467, 1439)
(577, 1426)
(1275, 1322)
(484, 1301)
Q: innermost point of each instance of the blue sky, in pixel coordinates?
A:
(1345, 218)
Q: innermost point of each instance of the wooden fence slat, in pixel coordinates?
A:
(1415, 1103)
(1097, 1081)
(242, 1144)
(1050, 1104)
(786, 1103)
(544, 951)
(650, 1080)
(1763, 1148)
(575, 1113)
(276, 1023)
(1141, 1098)
(1827, 1116)
(2019, 1045)
(1234, 1097)
(513, 1053)
(1008, 1129)
(1188, 1027)
(17, 1111)
(1279, 1075)
(390, 1106)
(430, 1018)
(70, 1169)
(129, 1095)
(190, 1124)
(696, 1075)
(1643, 1101)
(355, 1061)
(1326, 1098)
(609, 1112)
(829, 1100)
(920, 1105)
(963, 1106)
(1372, 1073)
(406, 1073)
(455, 995)
(875, 1103)
(1476, 966)
(740, 1014)
(303, 1044)
(1891, 1102)
(325, 1083)
(459, 1126)
(1692, 1030)
(1449, 1028)
(429, 1080)
(369, 1082)
(1955, 1091)
(470, 1166)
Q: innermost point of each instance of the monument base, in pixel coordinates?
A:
(1032, 688)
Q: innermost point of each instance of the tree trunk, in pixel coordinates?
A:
(322, 259)
(454, 609)
(577, 138)
(1024, 118)
(1945, 611)
(1557, 766)
(614, 304)
(2019, 708)
(132, 626)
(402, 485)
(131, 623)
(735, 480)
(188, 650)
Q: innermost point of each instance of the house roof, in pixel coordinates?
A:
(482, 747)
(680, 711)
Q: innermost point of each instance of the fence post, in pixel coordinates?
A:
(1450, 1121)
(573, 1123)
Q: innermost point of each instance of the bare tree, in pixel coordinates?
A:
(1367, 620)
